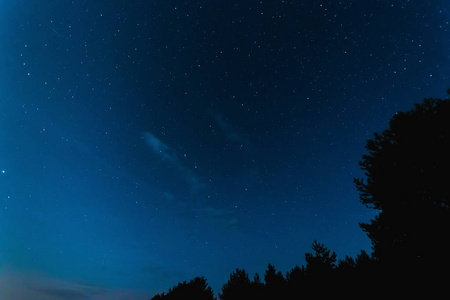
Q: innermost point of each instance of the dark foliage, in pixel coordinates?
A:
(321, 277)
(275, 283)
(407, 175)
(320, 262)
(237, 287)
(406, 169)
(197, 289)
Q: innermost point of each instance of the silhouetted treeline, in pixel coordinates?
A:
(197, 288)
(322, 276)
(407, 180)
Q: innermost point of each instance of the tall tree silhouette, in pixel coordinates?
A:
(296, 281)
(407, 177)
(237, 287)
(275, 283)
(322, 261)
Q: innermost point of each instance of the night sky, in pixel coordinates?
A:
(143, 143)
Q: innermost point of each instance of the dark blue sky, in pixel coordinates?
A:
(143, 143)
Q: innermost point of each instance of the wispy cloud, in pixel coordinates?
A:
(162, 275)
(159, 147)
(67, 291)
(225, 217)
(166, 152)
(30, 286)
(233, 135)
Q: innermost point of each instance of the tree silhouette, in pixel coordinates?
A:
(319, 269)
(296, 282)
(360, 272)
(321, 261)
(257, 288)
(197, 289)
(362, 262)
(237, 287)
(407, 176)
(275, 283)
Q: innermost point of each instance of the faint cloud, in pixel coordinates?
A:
(162, 274)
(231, 134)
(68, 292)
(31, 286)
(159, 147)
(225, 217)
(233, 223)
(166, 152)
(168, 196)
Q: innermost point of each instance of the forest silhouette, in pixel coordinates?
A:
(407, 181)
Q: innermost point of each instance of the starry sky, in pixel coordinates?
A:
(143, 143)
